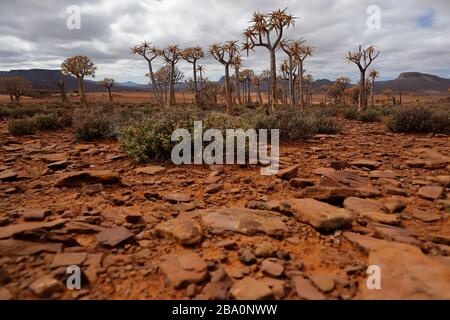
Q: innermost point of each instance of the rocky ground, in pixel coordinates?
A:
(341, 203)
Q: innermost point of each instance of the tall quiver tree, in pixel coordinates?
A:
(373, 74)
(237, 62)
(59, 80)
(293, 50)
(172, 55)
(108, 83)
(305, 52)
(192, 55)
(79, 67)
(363, 58)
(266, 30)
(225, 54)
(149, 53)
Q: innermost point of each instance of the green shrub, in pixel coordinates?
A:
(298, 125)
(47, 121)
(369, 115)
(351, 113)
(420, 120)
(149, 140)
(21, 127)
(92, 124)
(366, 115)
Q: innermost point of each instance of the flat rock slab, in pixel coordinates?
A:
(8, 175)
(53, 157)
(320, 215)
(11, 230)
(35, 214)
(45, 287)
(385, 174)
(371, 210)
(251, 289)
(183, 269)
(114, 237)
(394, 234)
(12, 247)
(406, 273)
(177, 197)
(76, 179)
(288, 173)
(363, 163)
(68, 259)
(344, 179)
(365, 243)
(183, 230)
(242, 220)
(151, 170)
(305, 290)
(338, 194)
(431, 192)
(424, 215)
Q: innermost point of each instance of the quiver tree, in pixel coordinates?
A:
(363, 58)
(163, 78)
(59, 81)
(266, 30)
(284, 77)
(353, 93)
(266, 78)
(334, 93)
(108, 83)
(294, 50)
(149, 53)
(172, 55)
(343, 83)
(225, 54)
(79, 67)
(15, 87)
(373, 74)
(256, 81)
(324, 89)
(309, 82)
(303, 53)
(237, 61)
(192, 55)
(247, 76)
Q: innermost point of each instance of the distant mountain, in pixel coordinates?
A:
(414, 82)
(43, 79)
(131, 84)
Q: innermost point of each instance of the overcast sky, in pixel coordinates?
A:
(413, 36)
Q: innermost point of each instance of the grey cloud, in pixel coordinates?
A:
(34, 33)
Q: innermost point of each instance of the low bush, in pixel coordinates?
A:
(366, 115)
(47, 121)
(420, 120)
(21, 127)
(92, 124)
(149, 140)
(369, 115)
(298, 125)
(351, 113)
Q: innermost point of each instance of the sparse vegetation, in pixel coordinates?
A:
(22, 127)
(420, 120)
